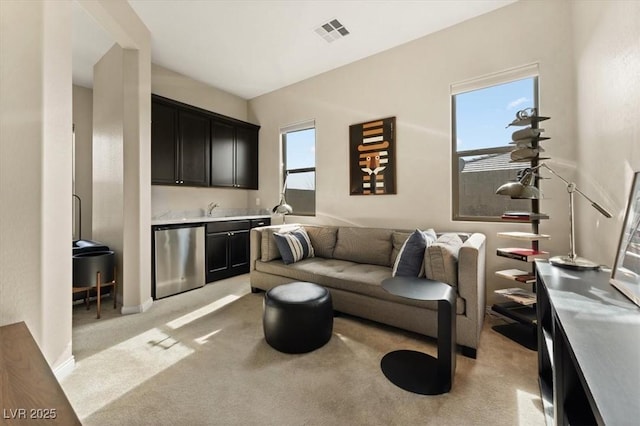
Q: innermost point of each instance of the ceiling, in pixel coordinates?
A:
(252, 47)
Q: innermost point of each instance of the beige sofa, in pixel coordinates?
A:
(352, 262)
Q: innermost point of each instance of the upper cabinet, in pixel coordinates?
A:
(164, 144)
(234, 155)
(194, 147)
(194, 140)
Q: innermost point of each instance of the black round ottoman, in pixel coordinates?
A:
(298, 317)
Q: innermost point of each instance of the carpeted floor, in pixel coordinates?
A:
(199, 358)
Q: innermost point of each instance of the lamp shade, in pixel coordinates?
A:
(283, 208)
(518, 190)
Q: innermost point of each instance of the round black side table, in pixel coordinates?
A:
(416, 371)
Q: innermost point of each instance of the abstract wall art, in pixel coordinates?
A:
(372, 157)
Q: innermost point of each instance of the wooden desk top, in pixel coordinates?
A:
(29, 391)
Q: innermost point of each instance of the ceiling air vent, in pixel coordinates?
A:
(332, 30)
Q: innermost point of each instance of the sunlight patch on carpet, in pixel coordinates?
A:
(528, 406)
(199, 313)
(131, 362)
(204, 339)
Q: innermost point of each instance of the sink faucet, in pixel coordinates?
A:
(210, 208)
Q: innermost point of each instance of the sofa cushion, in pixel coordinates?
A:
(323, 239)
(346, 276)
(397, 241)
(293, 246)
(268, 247)
(441, 259)
(410, 259)
(364, 245)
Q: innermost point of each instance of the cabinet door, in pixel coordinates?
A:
(239, 251)
(217, 255)
(164, 140)
(222, 154)
(246, 158)
(195, 137)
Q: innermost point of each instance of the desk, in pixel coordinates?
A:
(588, 348)
(416, 371)
(30, 393)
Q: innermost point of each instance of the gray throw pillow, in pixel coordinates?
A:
(441, 259)
(323, 239)
(410, 259)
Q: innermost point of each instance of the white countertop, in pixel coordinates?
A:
(204, 219)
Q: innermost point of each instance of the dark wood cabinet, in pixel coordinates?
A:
(222, 154)
(180, 144)
(164, 144)
(228, 247)
(194, 147)
(194, 141)
(234, 155)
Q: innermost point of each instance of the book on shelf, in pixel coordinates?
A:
(524, 254)
(518, 295)
(528, 236)
(524, 215)
(517, 275)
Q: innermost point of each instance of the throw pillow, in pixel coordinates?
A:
(323, 239)
(441, 259)
(410, 259)
(294, 246)
(268, 246)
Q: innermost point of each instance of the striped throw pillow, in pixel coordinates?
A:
(294, 246)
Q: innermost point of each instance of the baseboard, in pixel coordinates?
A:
(64, 369)
(136, 309)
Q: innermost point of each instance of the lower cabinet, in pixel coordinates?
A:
(228, 247)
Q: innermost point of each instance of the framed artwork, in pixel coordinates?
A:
(625, 274)
(372, 157)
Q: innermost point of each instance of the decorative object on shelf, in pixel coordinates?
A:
(524, 189)
(283, 208)
(372, 157)
(625, 274)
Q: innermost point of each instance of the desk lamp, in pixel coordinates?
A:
(523, 188)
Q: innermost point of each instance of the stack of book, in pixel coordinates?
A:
(524, 216)
(518, 295)
(524, 254)
(518, 275)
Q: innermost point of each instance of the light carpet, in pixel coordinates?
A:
(200, 358)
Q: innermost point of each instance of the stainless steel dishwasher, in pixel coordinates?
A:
(179, 259)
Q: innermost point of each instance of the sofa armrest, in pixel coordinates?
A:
(471, 278)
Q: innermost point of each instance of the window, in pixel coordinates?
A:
(299, 167)
(480, 142)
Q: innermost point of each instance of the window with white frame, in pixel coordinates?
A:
(299, 167)
(481, 162)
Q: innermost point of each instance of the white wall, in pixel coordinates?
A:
(607, 69)
(176, 86)
(83, 122)
(35, 172)
(108, 157)
(411, 82)
(122, 149)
